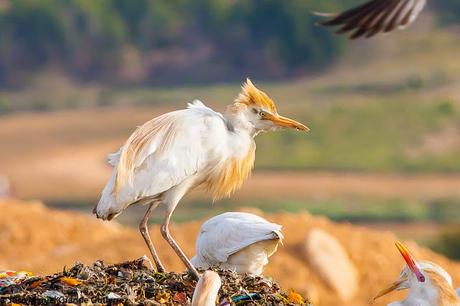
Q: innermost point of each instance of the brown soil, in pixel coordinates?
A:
(42, 240)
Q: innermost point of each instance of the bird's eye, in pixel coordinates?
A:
(262, 114)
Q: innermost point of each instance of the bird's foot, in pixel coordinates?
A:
(159, 266)
(194, 272)
(146, 259)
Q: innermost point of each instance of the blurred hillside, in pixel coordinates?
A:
(163, 42)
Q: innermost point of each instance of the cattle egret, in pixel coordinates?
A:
(170, 155)
(206, 289)
(237, 241)
(376, 16)
(428, 283)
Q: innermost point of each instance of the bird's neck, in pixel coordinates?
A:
(237, 121)
(435, 291)
(445, 293)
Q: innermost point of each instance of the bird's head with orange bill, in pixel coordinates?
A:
(428, 283)
(254, 110)
(410, 273)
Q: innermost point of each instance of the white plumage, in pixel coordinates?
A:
(171, 154)
(432, 292)
(197, 143)
(238, 241)
(428, 283)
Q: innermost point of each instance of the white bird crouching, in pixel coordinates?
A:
(428, 283)
(237, 241)
(206, 289)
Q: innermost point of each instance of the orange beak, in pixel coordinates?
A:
(412, 266)
(391, 288)
(287, 123)
(410, 261)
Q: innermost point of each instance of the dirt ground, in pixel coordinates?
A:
(35, 238)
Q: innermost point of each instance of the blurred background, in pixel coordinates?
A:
(76, 78)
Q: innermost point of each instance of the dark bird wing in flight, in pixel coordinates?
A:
(376, 16)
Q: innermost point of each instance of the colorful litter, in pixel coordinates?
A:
(8, 278)
(133, 283)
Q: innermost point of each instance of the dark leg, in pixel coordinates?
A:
(145, 234)
(167, 236)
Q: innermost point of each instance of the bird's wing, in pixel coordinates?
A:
(228, 233)
(376, 16)
(165, 151)
(113, 158)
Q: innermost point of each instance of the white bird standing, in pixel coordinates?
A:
(170, 155)
(376, 16)
(237, 241)
(428, 283)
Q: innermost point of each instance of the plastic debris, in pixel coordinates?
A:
(53, 294)
(180, 297)
(294, 297)
(113, 296)
(8, 278)
(246, 297)
(71, 281)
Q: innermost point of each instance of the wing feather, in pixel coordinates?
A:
(376, 16)
(377, 20)
(365, 22)
(228, 233)
(160, 154)
(361, 17)
(155, 135)
(114, 158)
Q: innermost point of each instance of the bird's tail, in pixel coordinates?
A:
(108, 207)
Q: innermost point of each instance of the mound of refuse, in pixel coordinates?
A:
(42, 240)
(134, 283)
